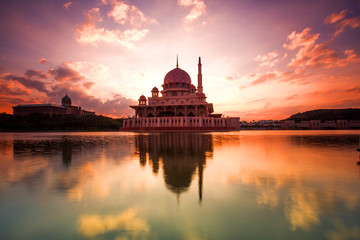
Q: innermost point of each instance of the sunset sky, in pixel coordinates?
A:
(262, 59)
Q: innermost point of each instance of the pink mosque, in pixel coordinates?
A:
(181, 107)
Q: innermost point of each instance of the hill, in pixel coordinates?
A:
(40, 122)
(327, 115)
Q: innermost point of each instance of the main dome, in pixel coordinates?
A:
(66, 100)
(177, 75)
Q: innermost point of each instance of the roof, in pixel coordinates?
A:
(40, 105)
(177, 75)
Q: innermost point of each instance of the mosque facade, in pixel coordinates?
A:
(181, 106)
(66, 108)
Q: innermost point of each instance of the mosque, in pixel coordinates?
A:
(181, 107)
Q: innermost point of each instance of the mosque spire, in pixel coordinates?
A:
(200, 87)
(177, 61)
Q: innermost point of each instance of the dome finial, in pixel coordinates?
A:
(177, 61)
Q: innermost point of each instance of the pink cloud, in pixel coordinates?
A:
(123, 13)
(198, 9)
(268, 60)
(88, 85)
(65, 73)
(88, 33)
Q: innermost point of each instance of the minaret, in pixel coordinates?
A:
(200, 87)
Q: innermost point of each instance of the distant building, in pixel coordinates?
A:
(181, 107)
(317, 124)
(66, 108)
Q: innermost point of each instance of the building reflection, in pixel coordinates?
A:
(66, 152)
(181, 155)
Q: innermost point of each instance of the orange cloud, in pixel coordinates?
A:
(341, 23)
(316, 55)
(42, 60)
(335, 17)
(67, 5)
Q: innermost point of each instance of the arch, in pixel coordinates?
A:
(201, 112)
(191, 114)
(166, 114)
(177, 85)
(180, 111)
(150, 115)
(190, 111)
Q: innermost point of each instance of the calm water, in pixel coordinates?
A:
(237, 185)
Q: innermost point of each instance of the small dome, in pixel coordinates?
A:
(192, 86)
(201, 94)
(177, 75)
(66, 100)
(155, 89)
(142, 98)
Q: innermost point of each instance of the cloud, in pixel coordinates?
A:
(297, 77)
(335, 17)
(123, 13)
(198, 9)
(291, 97)
(353, 90)
(66, 73)
(257, 100)
(68, 77)
(67, 5)
(127, 222)
(26, 81)
(42, 60)
(341, 23)
(13, 88)
(117, 106)
(258, 78)
(88, 33)
(269, 59)
(310, 54)
(35, 73)
(229, 78)
(88, 85)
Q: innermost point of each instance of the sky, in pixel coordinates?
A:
(262, 59)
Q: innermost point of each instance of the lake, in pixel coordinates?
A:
(234, 185)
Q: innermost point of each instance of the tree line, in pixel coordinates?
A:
(40, 122)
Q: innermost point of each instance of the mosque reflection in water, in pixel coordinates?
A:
(181, 156)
